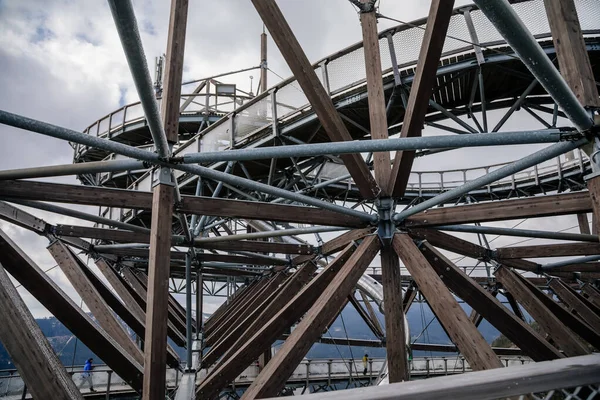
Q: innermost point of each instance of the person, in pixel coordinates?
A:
(86, 376)
(365, 361)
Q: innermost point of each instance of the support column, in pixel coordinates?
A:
(395, 336)
(36, 361)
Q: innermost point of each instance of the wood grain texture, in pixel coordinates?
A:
(36, 361)
(540, 313)
(549, 250)
(329, 303)
(376, 98)
(487, 306)
(336, 244)
(449, 242)
(532, 207)
(460, 329)
(47, 292)
(314, 91)
(575, 305)
(93, 300)
(421, 90)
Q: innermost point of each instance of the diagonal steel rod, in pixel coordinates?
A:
(125, 21)
(510, 169)
(512, 29)
(492, 230)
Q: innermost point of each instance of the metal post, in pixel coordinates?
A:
(199, 301)
(188, 311)
(108, 385)
(526, 162)
(200, 226)
(579, 260)
(512, 29)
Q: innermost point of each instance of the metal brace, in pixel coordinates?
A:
(386, 226)
(162, 176)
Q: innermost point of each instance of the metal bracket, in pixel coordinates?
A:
(385, 225)
(162, 176)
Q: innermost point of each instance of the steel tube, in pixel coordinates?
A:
(578, 260)
(268, 234)
(32, 125)
(533, 159)
(200, 226)
(512, 29)
(492, 230)
(72, 169)
(188, 310)
(79, 214)
(366, 146)
(125, 21)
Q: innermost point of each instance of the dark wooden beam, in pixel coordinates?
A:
(575, 305)
(409, 296)
(460, 329)
(134, 199)
(336, 244)
(36, 361)
(450, 243)
(260, 315)
(376, 97)
(273, 377)
(500, 351)
(422, 87)
(92, 299)
(532, 207)
(22, 218)
(549, 322)
(514, 305)
(48, 293)
(251, 345)
(365, 317)
(315, 93)
(584, 224)
(371, 311)
(228, 307)
(486, 305)
(590, 293)
(395, 334)
(549, 250)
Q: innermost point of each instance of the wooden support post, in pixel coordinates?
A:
(371, 311)
(482, 301)
(460, 329)
(36, 361)
(90, 296)
(422, 87)
(47, 292)
(376, 98)
(315, 92)
(540, 313)
(260, 315)
(250, 345)
(575, 305)
(395, 335)
(272, 379)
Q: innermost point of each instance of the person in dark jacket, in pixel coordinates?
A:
(86, 376)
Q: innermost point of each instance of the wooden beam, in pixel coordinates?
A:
(549, 250)
(540, 313)
(395, 335)
(486, 305)
(450, 243)
(573, 60)
(532, 207)
(590, 293)
(461, 330)
(594, 193)
(260, 315)
(273, 377)
(376, 97)
(584, 224)
(36, 361)
(514, 305)
(315, 93)
(251, 345)
(134, 199)
(225, 310)
(157, 301)
(449, 348)
(371, 311)
(48, 293)
(92, 299)
(409, 296)
(422, 87)
(250, 304)
(22, 218)
(575, 305)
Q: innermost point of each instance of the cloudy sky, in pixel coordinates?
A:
(61, 62)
